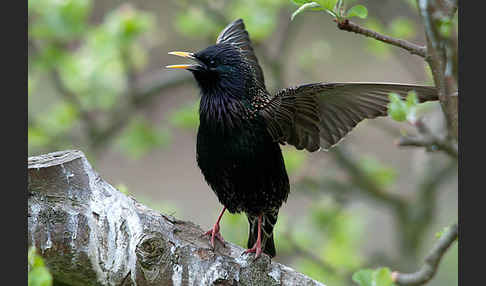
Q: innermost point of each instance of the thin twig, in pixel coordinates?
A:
(414, 49)
(428, 270)
(429, 140)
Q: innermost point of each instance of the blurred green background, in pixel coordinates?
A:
(97, 83)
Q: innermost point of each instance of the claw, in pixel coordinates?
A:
(214, 232)
(257, 247)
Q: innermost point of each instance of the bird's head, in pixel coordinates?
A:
(227, 68)
(219, 67)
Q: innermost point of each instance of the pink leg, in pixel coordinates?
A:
(257, 247)
(214, 232)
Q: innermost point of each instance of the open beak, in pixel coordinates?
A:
(184, 55)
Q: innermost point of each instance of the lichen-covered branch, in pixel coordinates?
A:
(432, 261)
(89, 233)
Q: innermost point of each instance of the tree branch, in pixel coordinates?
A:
(89, 233)
(429, 140)
(414, 49)
(440, 58)
(432, 261)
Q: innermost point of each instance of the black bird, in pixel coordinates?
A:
(242, 126)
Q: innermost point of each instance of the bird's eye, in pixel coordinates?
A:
(212, 62)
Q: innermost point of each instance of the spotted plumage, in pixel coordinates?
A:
(242, 127)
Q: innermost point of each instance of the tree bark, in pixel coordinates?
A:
(89, 233)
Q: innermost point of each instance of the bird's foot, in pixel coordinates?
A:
(257, 249)
(214, 232)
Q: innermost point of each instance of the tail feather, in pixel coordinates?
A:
(268, 223)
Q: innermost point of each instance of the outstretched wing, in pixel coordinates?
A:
(319, 115)
(236, 34)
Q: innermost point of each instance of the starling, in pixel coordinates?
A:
(242, 126)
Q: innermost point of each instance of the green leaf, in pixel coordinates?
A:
(411, 99)
(38, 273)
(382, 277)
(39, 276)
(411, 102)
(33, 258)
(370, 277)
(305, 7)
(302, 2)
(357, 11)
(363, 277)
(397, 109)
(328, 4)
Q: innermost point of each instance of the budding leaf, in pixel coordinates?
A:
(328, 4)
(411, 102)
(364, 277)
(370, 277)
(308, 6)
(397, 108)
(382, 277)
(359, 11)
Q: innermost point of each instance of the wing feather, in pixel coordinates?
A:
(235, 34)
(319, 115)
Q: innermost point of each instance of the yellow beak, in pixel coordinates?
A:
(184, 55)
(178, 66)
